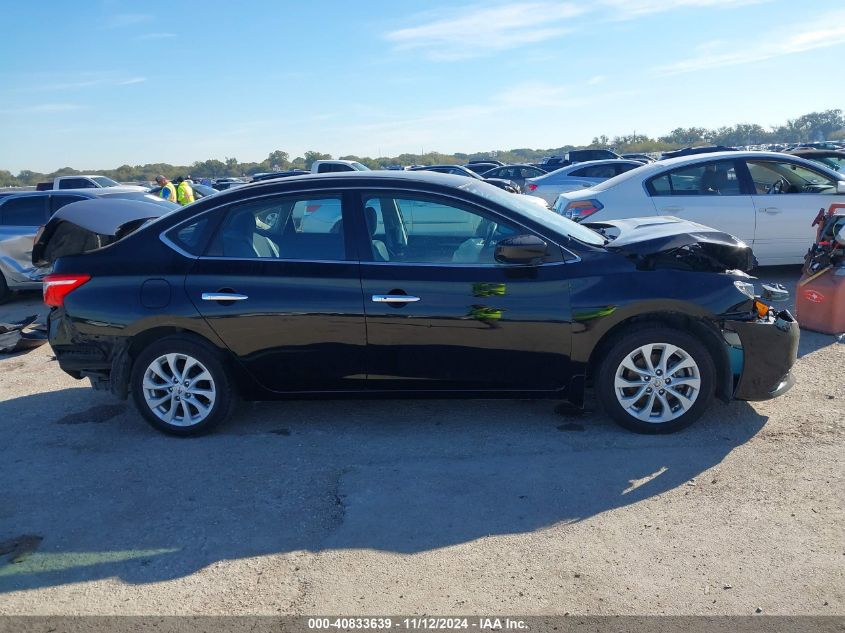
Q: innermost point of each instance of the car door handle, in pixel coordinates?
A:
(672, 209)
(394, 299)
(770, 210)
(223, 296)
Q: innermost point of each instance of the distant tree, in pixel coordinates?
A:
(687, 136)
(278, 160)
(311, 156)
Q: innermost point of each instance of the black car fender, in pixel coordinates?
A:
(592, 336)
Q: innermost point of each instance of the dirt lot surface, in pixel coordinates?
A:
(437, 507)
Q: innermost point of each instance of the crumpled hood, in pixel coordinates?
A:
(87, 225)
(667, 240)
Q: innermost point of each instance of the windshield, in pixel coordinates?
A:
(533, 211)
(105, 182)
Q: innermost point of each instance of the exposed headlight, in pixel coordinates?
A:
(745, 288)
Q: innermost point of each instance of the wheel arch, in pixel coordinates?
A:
(706, 330)
(124, 358)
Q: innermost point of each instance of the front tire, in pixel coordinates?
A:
(656, 380)
(181, 386)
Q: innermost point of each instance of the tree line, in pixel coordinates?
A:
(815, 126)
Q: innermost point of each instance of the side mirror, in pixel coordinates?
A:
(527, 250)
(840, 186)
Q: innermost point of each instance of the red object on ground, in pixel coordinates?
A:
(820, 304)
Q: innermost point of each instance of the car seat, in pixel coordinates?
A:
(380, 251)
(241, 239)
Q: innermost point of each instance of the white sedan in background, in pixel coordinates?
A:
(576, 176)
(767, 199)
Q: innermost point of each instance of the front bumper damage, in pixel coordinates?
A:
(769, 350)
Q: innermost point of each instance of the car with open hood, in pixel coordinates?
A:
(488, 295)
(767, 199)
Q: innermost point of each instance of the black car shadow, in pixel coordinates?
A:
(110, 497)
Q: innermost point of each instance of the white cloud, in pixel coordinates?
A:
(630, 9)
(131, 81)
(827, 31)
(43, 108)
(477, 30)
(596, 80)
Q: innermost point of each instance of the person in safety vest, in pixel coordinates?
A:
(168, 191)
(184, 191)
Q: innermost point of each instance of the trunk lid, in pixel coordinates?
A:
(87, 225)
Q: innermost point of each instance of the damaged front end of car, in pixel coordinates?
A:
(759, 342)
(669, 242)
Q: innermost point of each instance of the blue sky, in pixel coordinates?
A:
(101, 83)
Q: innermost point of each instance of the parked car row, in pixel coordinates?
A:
(767, 199)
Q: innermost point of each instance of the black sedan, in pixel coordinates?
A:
(516, 173)
(408, 284)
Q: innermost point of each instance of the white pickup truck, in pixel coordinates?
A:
(83, 182)
(328, 166)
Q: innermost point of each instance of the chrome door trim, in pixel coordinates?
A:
(395, 299)
(223, 296)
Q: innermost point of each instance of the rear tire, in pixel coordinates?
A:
(181, 386)
(656, 380)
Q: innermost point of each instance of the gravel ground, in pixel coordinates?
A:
(437, 507)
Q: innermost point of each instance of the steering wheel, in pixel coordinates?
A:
(778, 186)
(488, 235)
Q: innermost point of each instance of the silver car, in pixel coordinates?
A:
(578, 176)
(22, 214)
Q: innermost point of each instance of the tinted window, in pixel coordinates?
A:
(57, 202)
(708, 179)
(291, 227)
(595, 171)
(406, 229)
(76, 183)
(621, 168)
(770, 176)
(24, 211)
(192, 237)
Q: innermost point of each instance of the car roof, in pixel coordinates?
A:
(409, 176)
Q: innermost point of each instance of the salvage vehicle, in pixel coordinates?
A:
(518, 173)
(767, 199)
(226, 298)
(459, 170)
(578, 176)
(21, 215)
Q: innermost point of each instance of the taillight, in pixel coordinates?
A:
(531, 186)
(58, 286)
(580, 209)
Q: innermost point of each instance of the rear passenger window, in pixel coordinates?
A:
(57, 202)
(193, 236)
(294, 228)
(24, 211)
(708, 179)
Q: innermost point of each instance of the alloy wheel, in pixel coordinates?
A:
(179, 389)
(657, 383)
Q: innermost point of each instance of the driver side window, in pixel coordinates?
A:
(426, 230)
(775, 177)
